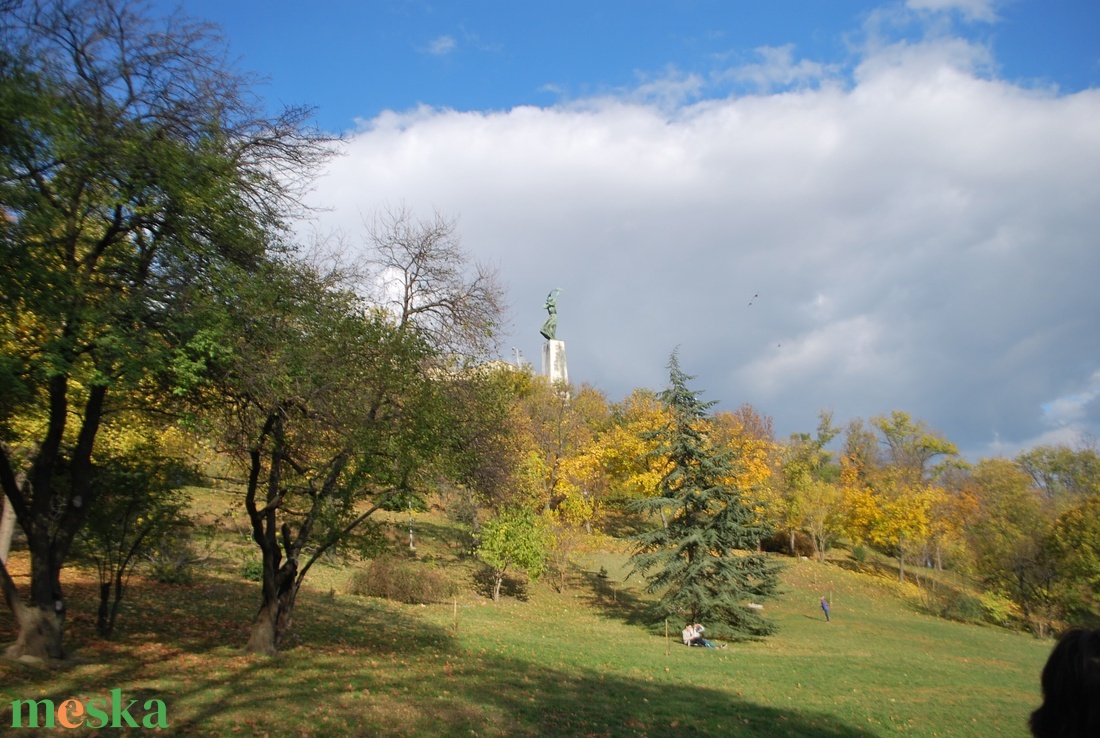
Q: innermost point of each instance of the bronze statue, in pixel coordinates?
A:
(550, 327)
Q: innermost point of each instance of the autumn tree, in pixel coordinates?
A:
(749, 437)
(1074, 546)
(1008, 535)
(563, 422)
(134, 164)
(630, 448)
(890, 484)
(1062, 473)
(808, 498)
(702, 562)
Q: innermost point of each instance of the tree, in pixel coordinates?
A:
(133, 166)
(140, 503)
(823, 517)
(562, 422)
(326, 405)
(700, 561)
(1008, 535)
(424, 276)
(1061, 472)
(806, 491)
(891, 496)
(342, 407)
(630, 442)
(1074, 545)
(749, 438)
(516, 538)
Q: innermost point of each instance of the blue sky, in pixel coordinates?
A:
(353, 60)
(911, 188)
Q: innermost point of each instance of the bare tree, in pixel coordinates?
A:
(425, 277)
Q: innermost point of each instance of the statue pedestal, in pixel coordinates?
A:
(553, 361)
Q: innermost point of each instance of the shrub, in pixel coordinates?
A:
(859, 553)
(400, 580)
(965, 608)
(997, 609)
(253, 570)
(173, 560)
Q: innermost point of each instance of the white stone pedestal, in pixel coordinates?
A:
(553, 361)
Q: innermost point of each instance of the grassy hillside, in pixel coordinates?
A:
(580, 662)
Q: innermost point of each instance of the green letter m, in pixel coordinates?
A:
(32, 712)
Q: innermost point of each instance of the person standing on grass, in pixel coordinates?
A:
(825, 608)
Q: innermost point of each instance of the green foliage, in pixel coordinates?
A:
(1061, 472)
(998, 610)
(703, 561)
(253, 570)
(1074, 544)
(134, 169)
(173, 559)
(516, 538)
(140, 501)
(402, 580)
(1008, 535)
(963, 607)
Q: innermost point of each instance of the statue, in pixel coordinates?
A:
(550, 327)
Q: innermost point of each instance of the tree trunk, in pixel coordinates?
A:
(273, 619)
(793, 552)
(39, 634)
(498, 580)
(7, 527)
(901, 563)
(103, 623)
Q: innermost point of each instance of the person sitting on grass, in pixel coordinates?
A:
(693, 636)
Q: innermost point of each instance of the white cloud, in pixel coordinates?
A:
(778, 69)
(922, 238)
(441, 46)
(974, 10)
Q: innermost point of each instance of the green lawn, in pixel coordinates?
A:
(580, 662)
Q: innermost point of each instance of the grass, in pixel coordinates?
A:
(580, 662)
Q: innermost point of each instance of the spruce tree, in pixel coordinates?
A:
(704, 560)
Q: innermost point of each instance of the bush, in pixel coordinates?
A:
(859, 553)
(402, 581)
(173, 560)
(963, 607)
(998, 610)
(253, 570)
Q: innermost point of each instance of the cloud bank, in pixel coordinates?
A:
(912, 234)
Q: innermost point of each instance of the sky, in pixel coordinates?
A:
(836, 205)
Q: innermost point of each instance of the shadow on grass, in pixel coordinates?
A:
(456, 541)
(514, 587)
(349, 667)
(616, 601)
(458, 694)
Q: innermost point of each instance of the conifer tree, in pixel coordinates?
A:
(704, 561)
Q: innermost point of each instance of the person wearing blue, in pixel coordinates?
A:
(693, 636)
(825, 608)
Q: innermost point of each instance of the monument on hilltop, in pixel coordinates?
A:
(553, 351)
